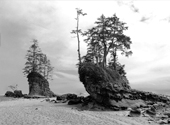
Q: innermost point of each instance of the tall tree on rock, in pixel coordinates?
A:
(37, 62)
(33, 57)
(78, 31)
(107, 38)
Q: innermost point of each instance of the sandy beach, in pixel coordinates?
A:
(40, 112)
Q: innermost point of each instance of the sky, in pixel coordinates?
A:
(50, 22)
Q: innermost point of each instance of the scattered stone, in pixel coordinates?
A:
(163, 121)
(66, 97)
(134, 113)
(151, 112)
(162, 116)
(47, 100)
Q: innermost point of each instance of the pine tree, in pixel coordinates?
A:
(107, 38)
(37, 62)
(33, 58)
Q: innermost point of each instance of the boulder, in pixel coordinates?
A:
(66, 97)
(71, 96)
(18, 93)
(75, 101)
(151, 111)
(126, 103)
(9, 94)
(38, 85)
(134, 113)
(103, 84)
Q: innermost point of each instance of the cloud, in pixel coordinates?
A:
(50, 22)
(130, 4)
(134, 9)
(144, 19)
(37, 20)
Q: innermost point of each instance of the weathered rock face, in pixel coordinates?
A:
(108, 88)
(38, 85)
(103, 84)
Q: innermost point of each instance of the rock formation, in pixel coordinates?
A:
(108, 88)
(9, 94)
(102, 84)
(18, 93)
(15, 94)
(38, 85)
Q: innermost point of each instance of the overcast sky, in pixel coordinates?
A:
(50, 22)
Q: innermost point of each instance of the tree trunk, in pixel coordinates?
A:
(114, 59)
(33, 68)
(105, 55)
(78, 50)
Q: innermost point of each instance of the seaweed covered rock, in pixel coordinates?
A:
(103, 84)
(38, 85)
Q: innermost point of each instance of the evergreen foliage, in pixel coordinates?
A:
(106, 38)
(37, 62)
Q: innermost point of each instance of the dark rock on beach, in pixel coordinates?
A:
(66, 96)
(103, 84)
(18, 93)
(38, 85)
(75, 101)
(111, 90)
(9, 94)
(15, 94)
(134, 113)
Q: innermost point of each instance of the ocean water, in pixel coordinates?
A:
(3, 98)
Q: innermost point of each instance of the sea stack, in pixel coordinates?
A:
(103, 84)
(38, 85)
